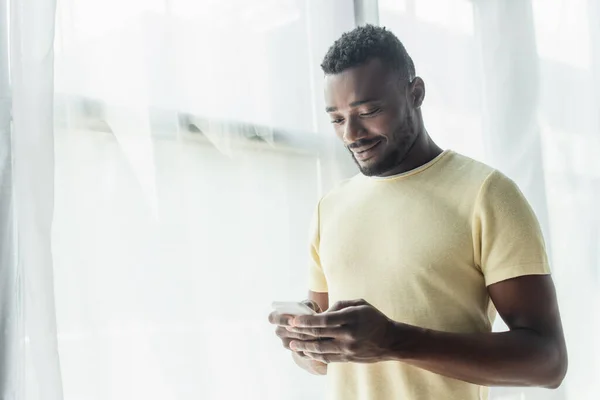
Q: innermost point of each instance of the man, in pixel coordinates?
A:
(417, 253)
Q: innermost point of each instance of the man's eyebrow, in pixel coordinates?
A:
(353, 104)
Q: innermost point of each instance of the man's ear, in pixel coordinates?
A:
(417, 92)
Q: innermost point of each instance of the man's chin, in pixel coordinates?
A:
(379, 166)
(370, 168)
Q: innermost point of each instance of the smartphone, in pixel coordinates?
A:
(292, 308)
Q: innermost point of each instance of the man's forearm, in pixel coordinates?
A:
(312, 366)
(515, 358)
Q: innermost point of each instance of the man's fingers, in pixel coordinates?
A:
(301, 354)
(283, 333)
(316, 346)
(313, 305)
(326, 358)
(280, 319)
(321, 333)
(340, 305)
(341, 313)
(324, 320)
(299, 336)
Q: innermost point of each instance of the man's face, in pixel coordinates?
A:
(372, 112)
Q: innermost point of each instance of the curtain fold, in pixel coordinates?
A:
(11, 354)
(511, 88)
(31, 368)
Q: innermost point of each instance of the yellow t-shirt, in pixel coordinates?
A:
(422, 247)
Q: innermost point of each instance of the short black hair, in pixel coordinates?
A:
(365, 43)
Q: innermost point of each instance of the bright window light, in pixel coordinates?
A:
(562, 31)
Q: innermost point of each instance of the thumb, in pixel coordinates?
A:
(340, 305)
(313, 305)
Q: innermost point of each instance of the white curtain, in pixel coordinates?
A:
(190, 146)
(29, 362)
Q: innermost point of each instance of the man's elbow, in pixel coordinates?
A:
(556, 379)
(556, 374)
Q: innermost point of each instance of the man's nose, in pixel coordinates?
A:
(353, 131)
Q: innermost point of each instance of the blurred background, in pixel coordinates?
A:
(191, 145)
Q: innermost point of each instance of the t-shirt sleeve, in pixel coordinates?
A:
(507, 236)
(316, 276)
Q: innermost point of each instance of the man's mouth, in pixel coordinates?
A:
(364, 152)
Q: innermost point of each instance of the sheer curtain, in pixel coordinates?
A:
(190, 146)
(29, 362)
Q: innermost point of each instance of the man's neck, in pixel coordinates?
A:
(423, 151)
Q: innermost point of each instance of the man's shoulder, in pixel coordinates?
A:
(480, 173)
(467, 167)
(344, 187)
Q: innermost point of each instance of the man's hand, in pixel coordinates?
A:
(350, 331)
(283, 322)
(532, 353)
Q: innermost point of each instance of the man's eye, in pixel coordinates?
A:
(337, 121)
(371, 112)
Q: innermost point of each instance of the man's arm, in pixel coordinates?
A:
(532, 353)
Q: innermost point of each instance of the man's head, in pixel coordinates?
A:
(373, 98)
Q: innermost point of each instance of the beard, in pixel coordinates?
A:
(388, 162)
(405, 140)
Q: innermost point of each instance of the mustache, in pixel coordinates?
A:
(362, 143)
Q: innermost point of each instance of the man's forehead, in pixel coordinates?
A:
(367, 81)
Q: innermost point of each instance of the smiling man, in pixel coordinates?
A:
(417, 253)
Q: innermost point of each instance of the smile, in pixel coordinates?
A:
(366, 152)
